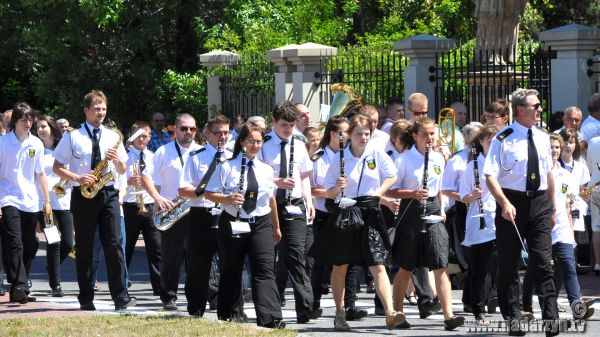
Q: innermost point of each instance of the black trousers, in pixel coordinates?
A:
(292, 252)
(101, 213)
(57, 252)
(144, 223)
(203, 245)
(482, 271)
(173, 244)
(281, 271)
(534, 221)
(260, 248)
(19, 245)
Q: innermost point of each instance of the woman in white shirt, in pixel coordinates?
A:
(480, 233)
(369, 173)
(47, 130)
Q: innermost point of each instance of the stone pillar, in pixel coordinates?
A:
(574, 45)
(421, 51)
(213, 84)
(307, 59)
(283, 76)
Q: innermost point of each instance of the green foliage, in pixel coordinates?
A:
(186, 93)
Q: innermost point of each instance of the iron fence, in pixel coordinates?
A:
(376, 73)
(248, 86)
(477, 83)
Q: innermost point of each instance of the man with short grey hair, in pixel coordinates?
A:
(63, 125)
(159, 135)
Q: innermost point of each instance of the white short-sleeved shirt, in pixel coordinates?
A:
(226, 180)
(454, 170)
(134, 157)
(75, 149)
(387, 126)
(19, 163)
(195, 169)
(376, 166)
(317, 176)
(563, 187)
(410, 171)
(168, 168)
(593, 159)
(473, 234)
(58, 203)
(590, 128)
(379, 139)
(271, 154)
(507, 158)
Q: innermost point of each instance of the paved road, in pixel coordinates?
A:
(151, 305)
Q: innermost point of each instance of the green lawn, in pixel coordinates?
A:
(131, 326)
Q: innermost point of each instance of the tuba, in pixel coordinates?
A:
(345, 100)
(90, 191)
(447, 129)
(164, 220)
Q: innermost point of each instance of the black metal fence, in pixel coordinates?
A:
(458, 78)
(376, 73)
(248, 86)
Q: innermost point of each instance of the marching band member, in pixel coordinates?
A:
(47, 130)
(168, 163)
(21, 171)
(481, 241)
(138, 208)
(204, 221)
(82, 150)
(294, 202)
(244, 186)
(413, 248)
(370, 174)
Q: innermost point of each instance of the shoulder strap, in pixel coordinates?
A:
(317, 155)
(504, 134)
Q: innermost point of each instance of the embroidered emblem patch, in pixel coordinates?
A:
(31, 152)
(371, 164)
(437, 169)
(564, 188)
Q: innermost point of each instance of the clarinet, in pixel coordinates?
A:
(477, 185)
(342, 170)
(288, 192)
(424, 186)
(217, 205)
(241, 186)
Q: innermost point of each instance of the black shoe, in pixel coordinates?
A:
(239, 318)
(170, 305)
(468, 308)
(306, 316)
(129, 284)
(403, 326)
(371, 288)
(353, 313)
(126, 303)
(19, 296)
(492, 304)
(324, 290)
(194, 312)
(379, 311)
(87, 307)
(276, 324)
(57, 292)
(2, 291)
(212, 305)
(454, 322)
(481, 321)
(429, 308)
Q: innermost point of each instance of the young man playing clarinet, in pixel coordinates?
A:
(290, 162)
(89, 151)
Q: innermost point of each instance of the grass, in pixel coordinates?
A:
(130, 326)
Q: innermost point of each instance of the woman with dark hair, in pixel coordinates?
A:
(21, 174)
(249, 226)
(369, 173)
(47, 130)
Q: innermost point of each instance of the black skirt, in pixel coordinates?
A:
(369, 245)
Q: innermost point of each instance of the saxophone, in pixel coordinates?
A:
(164, 220)
(90, 191)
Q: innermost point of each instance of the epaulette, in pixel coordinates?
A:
(197, 151)
(390, 152)
(504, 134)
(267, 138)
(317, 155)
(300, 137)
(70, 129)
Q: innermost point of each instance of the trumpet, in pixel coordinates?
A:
(447, 128)
(139, 196)
(477, 185)
(424, 186)
(59, 188)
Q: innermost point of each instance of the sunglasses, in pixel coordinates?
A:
(187, 128)
(536, 106)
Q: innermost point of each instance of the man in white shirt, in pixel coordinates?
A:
(395, 111)
(379, 138)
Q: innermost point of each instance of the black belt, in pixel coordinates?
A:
(523, 193)
(135, 204)
(293, 201)
(252, 219)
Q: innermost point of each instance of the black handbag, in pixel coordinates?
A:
(349, 219)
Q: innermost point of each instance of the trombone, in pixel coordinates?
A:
(447, 129)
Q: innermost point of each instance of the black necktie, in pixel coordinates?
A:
(211, 169)
(141, 162)
(251, 190)
(533, 166)
(95, 148)
(282, 172)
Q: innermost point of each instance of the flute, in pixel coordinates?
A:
(424, 186)
(288, 192)
(477, 185)
(342, 171)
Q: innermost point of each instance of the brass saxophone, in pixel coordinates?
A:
(587, 192)
(164, 220)
(90, 191)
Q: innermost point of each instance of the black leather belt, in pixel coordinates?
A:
(523, 193)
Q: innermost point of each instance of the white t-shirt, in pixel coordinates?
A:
(410, 171)
(168, 168)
